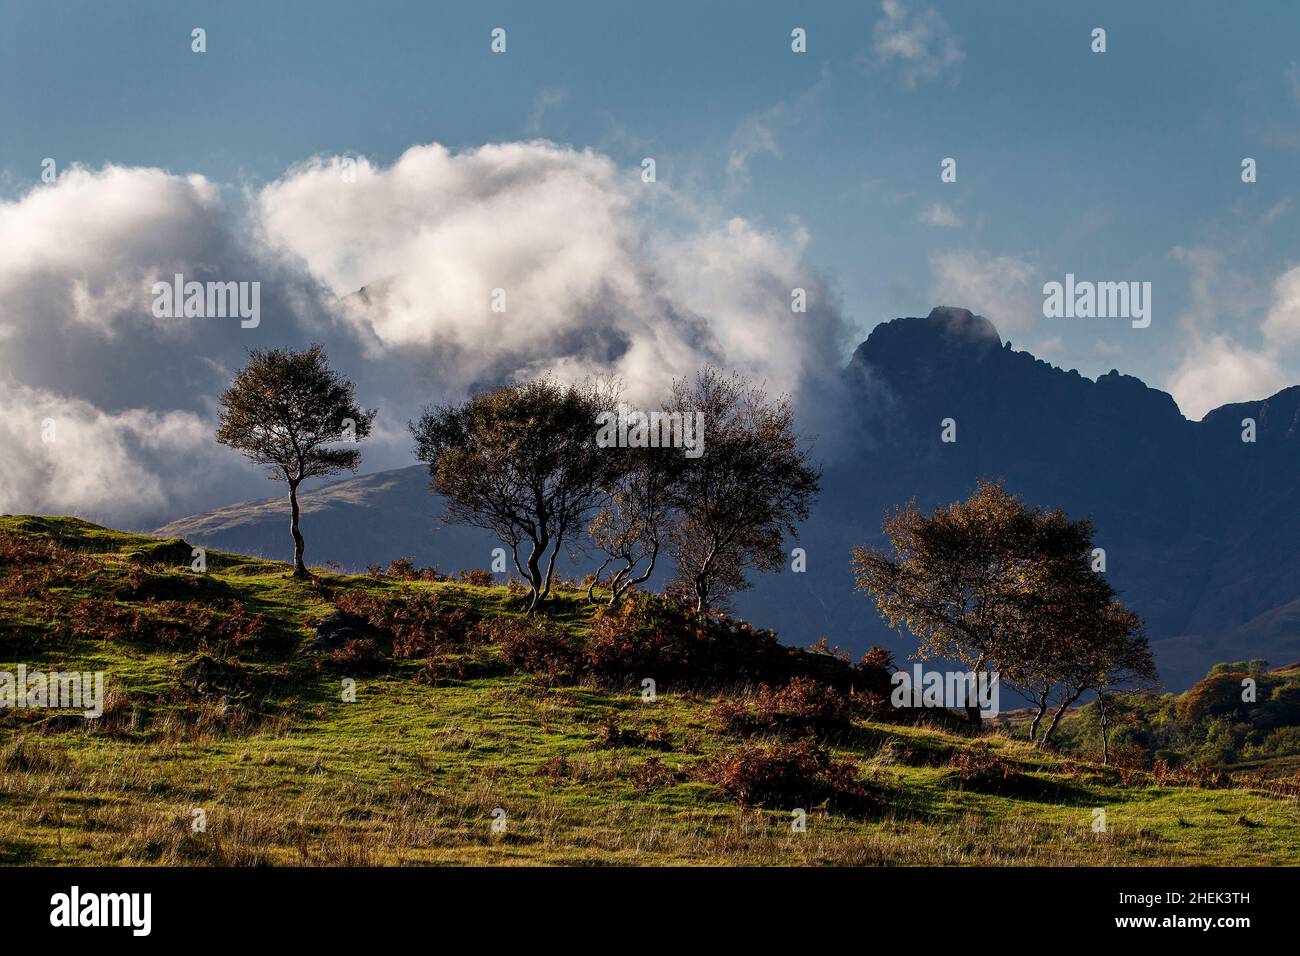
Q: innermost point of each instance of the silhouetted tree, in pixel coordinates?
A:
(631, 527)
(739, 499)
(521, 461)
(282, 411)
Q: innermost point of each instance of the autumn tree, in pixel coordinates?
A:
(738, 499)
(631, 528)
(1075, 637)
(1099, 647)
(1005, 590)
(285, 410)
(522, 462)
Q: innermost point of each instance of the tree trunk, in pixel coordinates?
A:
(535, 573)
(625, 585)
(1105, 729)
(1042, 709)
(973, 715)
(616, 584)
(595, 579)
(550, 564)
(299, 569)
(1056, 719)
(702, 583)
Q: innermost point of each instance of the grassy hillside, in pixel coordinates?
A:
(216, 705)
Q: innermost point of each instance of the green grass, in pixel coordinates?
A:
(410, 772)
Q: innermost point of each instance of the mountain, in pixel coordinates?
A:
(1198, 526)
(357, 521)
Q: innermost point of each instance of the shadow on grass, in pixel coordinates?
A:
(1016, 785)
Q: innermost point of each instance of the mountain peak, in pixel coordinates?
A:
(963, 324)
(946, 330)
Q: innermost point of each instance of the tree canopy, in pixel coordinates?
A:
(739, 500)
(1004, 588)
(286, 410)
(521, 461)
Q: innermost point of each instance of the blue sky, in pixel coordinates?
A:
(1118, 166)
(1100, 164)
(1096, 163)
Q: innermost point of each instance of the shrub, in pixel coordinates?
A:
(477, 577)
(172, 623)
(31, 565)
(638, 638)
(650, 636)
(1281, 709)
(610, 734)
(979, 768)
(869, 704)
(823, 647)
(233, 625)
(874, 674)
(414, 619)
(25, 551)
(734, 652)
(403, 569)
(734, 716)
(356, 656)
(786, 775)
(1189, 775)
(537, 646)
(802, 706)
(652, 773)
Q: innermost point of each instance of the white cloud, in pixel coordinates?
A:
(921, 44)
(1215, 367)
(1000, 288)
(544, 102)
(1282, 325)
(938, 214)
(1276, 211)
(602, 273)
(758, 134)
(127, 391)
(1217, 371)
(86, 248)
(98, 464)
(591, 283)
(752, 138)
(432, 236)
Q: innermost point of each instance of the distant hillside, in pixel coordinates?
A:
(1199, 528)
(357, 521)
